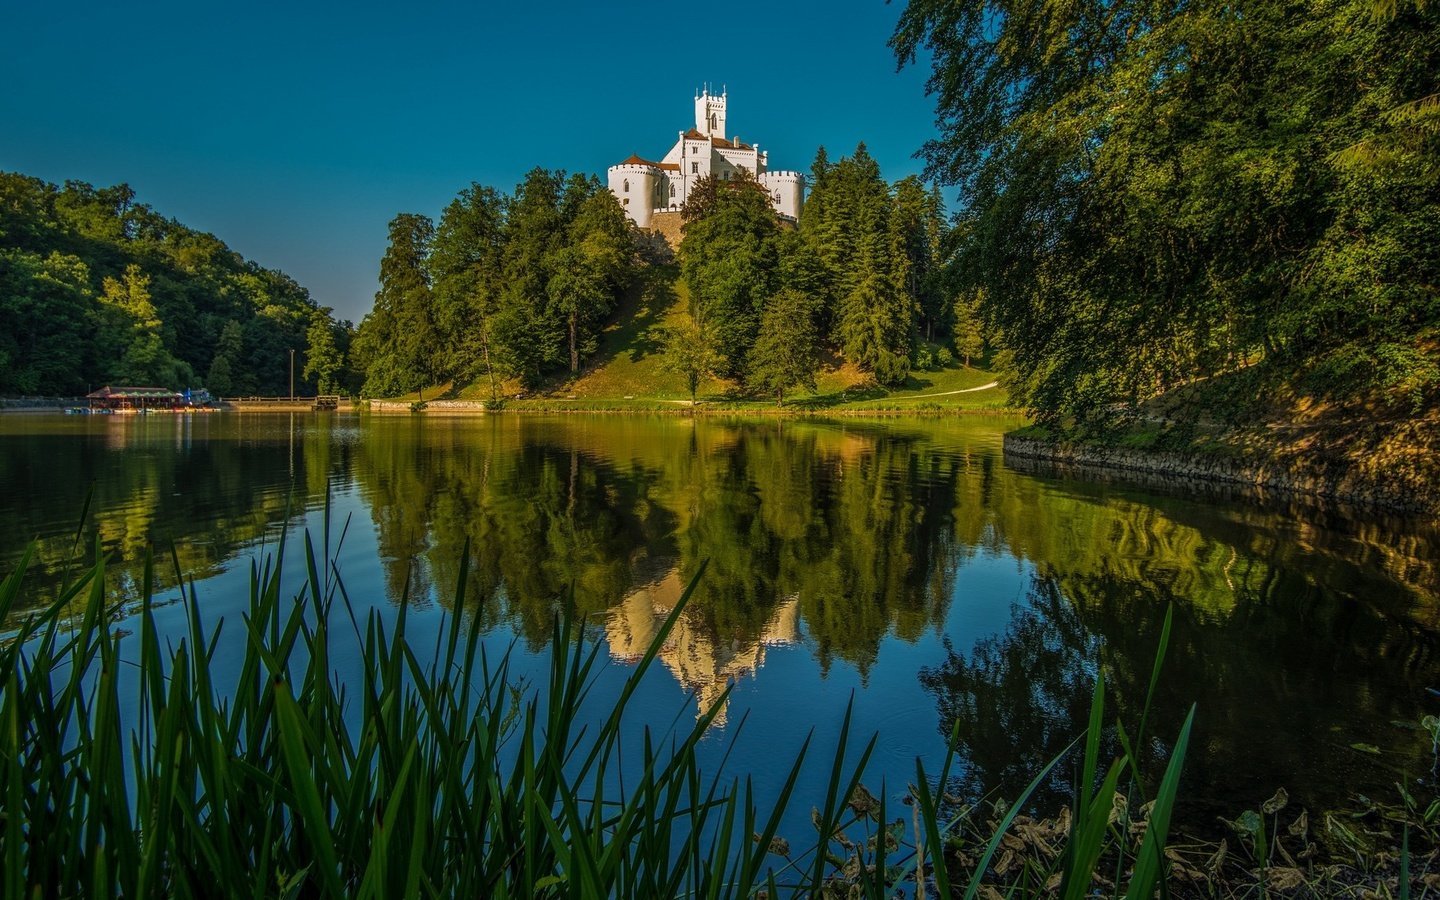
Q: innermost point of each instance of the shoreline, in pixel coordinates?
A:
(667, 407)
(1318, 479)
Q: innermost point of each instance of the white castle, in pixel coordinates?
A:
(645, 188)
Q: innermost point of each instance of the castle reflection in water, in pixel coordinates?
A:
(702, 665)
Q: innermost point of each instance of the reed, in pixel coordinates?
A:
(126, 770)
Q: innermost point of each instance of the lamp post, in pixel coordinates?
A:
(292, 373)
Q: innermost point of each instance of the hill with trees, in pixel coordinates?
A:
(518, 292)
(97, 288)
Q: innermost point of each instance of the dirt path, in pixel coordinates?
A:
(983, 387)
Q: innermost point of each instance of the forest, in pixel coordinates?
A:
(520, 286)
(96, 288)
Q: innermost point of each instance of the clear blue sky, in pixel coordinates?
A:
(295, 131)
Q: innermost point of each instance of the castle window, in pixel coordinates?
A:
(627, 184)
(672, 190)
(727, 176)
(694, 168)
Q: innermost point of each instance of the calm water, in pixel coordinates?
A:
(900, 562)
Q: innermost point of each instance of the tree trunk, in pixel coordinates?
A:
(574, 354)
(489, 369)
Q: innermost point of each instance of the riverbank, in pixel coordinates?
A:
(1370, 463)
(840, 390)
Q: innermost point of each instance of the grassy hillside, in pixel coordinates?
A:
(626, 372)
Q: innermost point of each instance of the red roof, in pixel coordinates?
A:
(135, 392)
(694, 135)
(641, 161)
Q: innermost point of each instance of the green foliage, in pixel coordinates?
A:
(515, 286)
(96, 287)
(228, 350)
(466, 264)
(398, 336)
(447, 774)
(1153, 193)
(591, 270)
(730, 261)
(46, 303)
(690, 353)
(323, 360)
(881, 255)
(130, 330)
(785, 352)
(969, 324)
(523, 286)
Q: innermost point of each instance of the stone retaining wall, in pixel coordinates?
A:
(669, 225)
(1327, 480)
(431, 406)
(269, 406)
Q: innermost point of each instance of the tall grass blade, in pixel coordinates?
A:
(1149, 863)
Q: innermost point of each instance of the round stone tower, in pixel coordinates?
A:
(636, 185)
(787, 191)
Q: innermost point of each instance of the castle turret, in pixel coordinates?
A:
(710, 114)
(787, 191)
(636, 183)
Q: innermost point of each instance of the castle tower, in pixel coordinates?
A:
(710, 113)
(638, 185)
(786, 190)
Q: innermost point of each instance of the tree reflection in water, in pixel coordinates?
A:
(1300, 633)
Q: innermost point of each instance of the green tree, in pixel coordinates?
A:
(786, 351)
(1148, 199)
(589, 272)
(134, 330)
(466, 264)
(398, 338)
(969, 325)
(688, 351)
(323, 361)
(529, 339)
(44, 303)
(194, 287)
(228, 352)
(730, 262)
(863, 241)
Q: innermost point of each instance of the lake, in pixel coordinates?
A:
(899, 562)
